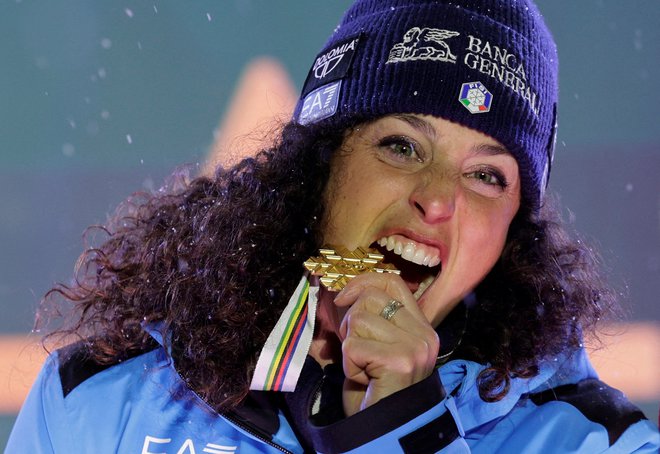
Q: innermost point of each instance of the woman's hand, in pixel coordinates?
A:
(381, 357)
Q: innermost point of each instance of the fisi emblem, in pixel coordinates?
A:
(475, 97)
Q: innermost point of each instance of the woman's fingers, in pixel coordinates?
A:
(382, 352)
(393, 365)
(401, 349)
(365, 317)
(390, 284)
(376, 369)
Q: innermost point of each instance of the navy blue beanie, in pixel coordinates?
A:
(490, 65)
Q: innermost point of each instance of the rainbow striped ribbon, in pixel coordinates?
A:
(281, 360)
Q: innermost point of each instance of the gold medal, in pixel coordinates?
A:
(336, 265)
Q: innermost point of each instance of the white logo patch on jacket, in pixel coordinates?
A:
(187, 447)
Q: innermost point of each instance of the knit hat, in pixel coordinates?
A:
(490, 65)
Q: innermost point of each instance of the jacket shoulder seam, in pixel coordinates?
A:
(77, 366)
(597, 402)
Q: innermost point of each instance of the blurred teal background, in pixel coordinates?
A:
(99, 99)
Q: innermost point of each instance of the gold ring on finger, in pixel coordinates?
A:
(390, 309)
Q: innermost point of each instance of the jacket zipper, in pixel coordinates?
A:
(237, 423)
(317, 396)
(254, 434)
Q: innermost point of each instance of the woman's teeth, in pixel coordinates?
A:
(411, 251)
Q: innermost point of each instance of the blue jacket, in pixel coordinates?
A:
(141, 405)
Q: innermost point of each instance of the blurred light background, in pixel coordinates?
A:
(100, 99)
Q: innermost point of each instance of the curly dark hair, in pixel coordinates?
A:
(542, 297)
(213, 262)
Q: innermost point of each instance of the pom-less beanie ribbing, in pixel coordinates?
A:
(490, 65)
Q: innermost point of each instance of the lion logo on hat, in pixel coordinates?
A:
(423, 44)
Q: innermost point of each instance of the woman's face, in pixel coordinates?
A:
(435, 197)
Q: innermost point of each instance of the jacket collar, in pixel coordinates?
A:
(257, 411)
(460, 379)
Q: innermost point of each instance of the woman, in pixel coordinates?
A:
(425, 130)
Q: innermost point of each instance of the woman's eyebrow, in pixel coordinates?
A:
(490, 150)
(419, 124)
(428, 130)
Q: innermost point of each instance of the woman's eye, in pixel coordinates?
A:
(488, 176)
(401, 148)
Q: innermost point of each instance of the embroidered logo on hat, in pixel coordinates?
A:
(332, 64)
(402, 50)
(320, 103)
(423, 44)
(327, 62)
(475, 97)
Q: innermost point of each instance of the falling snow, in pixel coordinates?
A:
(637, 41)
(68, 150)
(129, 12)
(106, 43)
(92, 128)
(129, 139)
(149, 184)
(41, 62)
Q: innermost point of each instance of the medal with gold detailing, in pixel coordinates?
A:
(336, 265)
(283, 355)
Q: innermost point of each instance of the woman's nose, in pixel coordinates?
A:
(434, 200)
